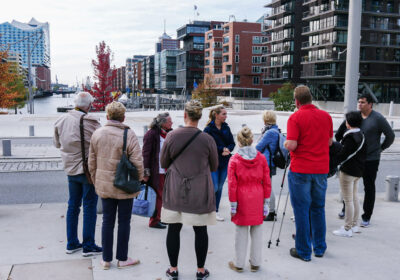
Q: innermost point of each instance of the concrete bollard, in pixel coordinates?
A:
(99, 206)
(31, 130)
(145, 129)
(392, 188)
(6, 147)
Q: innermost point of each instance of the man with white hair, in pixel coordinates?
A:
(67, 137)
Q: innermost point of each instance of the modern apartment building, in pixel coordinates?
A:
(190, 60)
(15, 62)
(119, 83)
(165, 71)
(13, 33)
(233, 59)
(324, 64)
(149, 85)
(129, 75)
(284, 26)
(165, 42)
(42, 78)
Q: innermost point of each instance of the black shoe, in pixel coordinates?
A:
(294, 236)
(271, 217)
(319, 255)
(341, 214)
(172, 275)
(294, 254)
(200, 275)
(92, 251)
(159, 225)
(73, 249)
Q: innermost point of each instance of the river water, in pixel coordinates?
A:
(48, 105)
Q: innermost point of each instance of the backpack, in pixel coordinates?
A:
(281, 156)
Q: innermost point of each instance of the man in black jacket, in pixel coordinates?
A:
(373, 125)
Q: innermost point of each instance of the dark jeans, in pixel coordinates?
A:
(80, 190)
(307, 195)
(218, 178)
(369, 177)
(156, 217)
(200, 244)
(110, 207)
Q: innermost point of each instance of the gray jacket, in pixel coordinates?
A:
(188, 185)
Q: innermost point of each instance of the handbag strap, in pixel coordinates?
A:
(353, 154)
(82, 139)
(185, 146)
(125, 136)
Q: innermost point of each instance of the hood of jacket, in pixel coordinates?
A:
(248, 152)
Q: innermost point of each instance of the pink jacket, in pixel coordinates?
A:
(248, 185)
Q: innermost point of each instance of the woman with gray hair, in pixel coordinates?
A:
(154, 175)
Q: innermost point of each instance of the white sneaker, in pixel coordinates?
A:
(356, 229)
(343, 232)
(219, 218)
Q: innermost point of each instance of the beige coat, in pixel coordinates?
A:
(105, 154)
(67, 137)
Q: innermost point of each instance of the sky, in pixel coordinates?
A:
(129, 27)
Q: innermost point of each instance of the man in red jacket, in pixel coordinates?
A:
(309, 135)
(154, 175)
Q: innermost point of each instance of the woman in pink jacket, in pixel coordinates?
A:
(249, 187)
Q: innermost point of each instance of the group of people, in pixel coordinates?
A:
(187, 167)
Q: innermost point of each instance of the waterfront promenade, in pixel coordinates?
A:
(33, 235)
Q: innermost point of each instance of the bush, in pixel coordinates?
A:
(283, 98)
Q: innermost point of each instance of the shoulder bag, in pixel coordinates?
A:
(84, 158)
(126, 175)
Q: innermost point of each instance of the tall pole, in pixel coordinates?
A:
(30, 105)
(353, 57)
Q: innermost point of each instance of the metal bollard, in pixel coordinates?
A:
(6, 147)
(145, 129)
(243, 125)
(392, 188)
(31, 130)
(99, 206)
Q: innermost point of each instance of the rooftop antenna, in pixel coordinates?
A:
(165, 23)
(232, 17)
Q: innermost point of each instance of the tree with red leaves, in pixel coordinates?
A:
(104, 76)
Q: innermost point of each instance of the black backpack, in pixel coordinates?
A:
(281, 156)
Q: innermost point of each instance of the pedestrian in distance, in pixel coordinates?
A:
(220, 131)
(352, 160)
(188, 197)
(267, 145)
(106, 150)
(68, 138)
(154, 174)
(309, 135)
(249, 188)
(373, 126)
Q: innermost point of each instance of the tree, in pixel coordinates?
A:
(8, 91)
(283, 98)
(206, 92)
(104, 76)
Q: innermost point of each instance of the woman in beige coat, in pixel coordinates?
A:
(104, 156)
(188, 196)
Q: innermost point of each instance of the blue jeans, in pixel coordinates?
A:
(307, 194)
(218, 178)
(110, 207)
(80, 190)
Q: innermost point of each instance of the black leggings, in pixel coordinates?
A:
(200, 244)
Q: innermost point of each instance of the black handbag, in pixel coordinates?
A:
(126, 176)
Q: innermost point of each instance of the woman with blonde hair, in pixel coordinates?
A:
(104, 155)
(188, 197)
(220, 131)
(267, 145)
(249, 189)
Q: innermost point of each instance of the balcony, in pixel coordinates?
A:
(318, 59)
(341, 24)
(391, 27)
(306, 2)
(324, 9)
(381, 10)
(288, 8)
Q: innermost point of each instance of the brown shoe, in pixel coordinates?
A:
(234, 267)
(254, 268)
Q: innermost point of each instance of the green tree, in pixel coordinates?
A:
(22, 92)
(283, 98)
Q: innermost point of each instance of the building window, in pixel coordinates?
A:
(256, 40)
(255, 69)
(209, 36)
(236, 58)
(217, 45)
(256, 50)
(237, 39)
(226, 39)
(256, 59)
(228, 79)
(256, 80)
(236, 79)
(226, 58)
(236, 48)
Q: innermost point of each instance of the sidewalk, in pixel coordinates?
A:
(33, 242)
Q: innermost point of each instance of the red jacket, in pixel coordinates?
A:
(248, 185)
